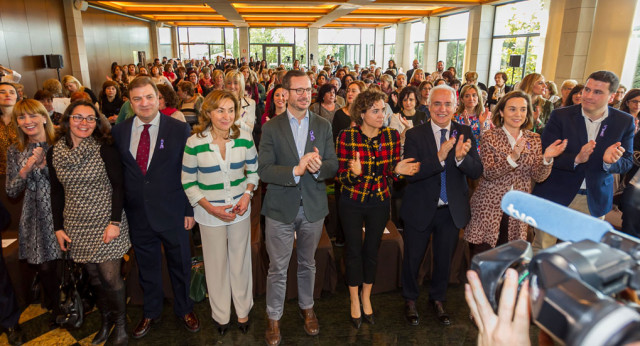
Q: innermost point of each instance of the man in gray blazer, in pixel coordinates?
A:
(296, 156)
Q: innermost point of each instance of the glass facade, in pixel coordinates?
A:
(516, 32)
(452, 40)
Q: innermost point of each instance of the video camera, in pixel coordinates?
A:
(572, 285)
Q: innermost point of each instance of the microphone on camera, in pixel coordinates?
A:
(555, 219)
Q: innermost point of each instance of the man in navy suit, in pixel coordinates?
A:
(600, 142)
(151, 146)
(436, 202)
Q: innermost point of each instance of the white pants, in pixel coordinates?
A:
(227, 266)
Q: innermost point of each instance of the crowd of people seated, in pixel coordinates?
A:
(170, 144)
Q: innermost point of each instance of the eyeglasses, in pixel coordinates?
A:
(634, 102)
(79, 118)
(301, 91)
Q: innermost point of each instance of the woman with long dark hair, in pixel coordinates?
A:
(277, 103)
(87, 199)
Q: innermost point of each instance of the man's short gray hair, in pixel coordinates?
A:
(443, 87)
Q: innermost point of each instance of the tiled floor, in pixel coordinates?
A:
(332, 311)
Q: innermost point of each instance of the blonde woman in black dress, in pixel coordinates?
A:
(87, 197)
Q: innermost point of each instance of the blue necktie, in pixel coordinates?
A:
(443, 175)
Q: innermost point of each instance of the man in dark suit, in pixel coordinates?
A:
(600, 143)
(151, 147)
(296, 156)
(436, 202)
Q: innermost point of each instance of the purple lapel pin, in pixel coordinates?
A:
(454, 134)
(161, 143)
(528, 145)
(604, 128)
(311, 136)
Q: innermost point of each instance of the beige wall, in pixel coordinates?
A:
(110, 37)
(27, 35)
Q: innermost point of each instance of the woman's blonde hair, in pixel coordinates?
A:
(238, 77)
(31, 106)
(71, 79)
(211, 103)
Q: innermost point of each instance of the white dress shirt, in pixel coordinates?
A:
(137, 128)
(593, 126)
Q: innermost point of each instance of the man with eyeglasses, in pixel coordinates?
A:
(151, 146)
(296, 156)
(436, 202)
(600, 144)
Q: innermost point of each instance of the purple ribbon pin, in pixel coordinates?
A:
(313, 138)
(604, 128)
(528, 145)
(380, 147)
(454, 134)
(161, 143)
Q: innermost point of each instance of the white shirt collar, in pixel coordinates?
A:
(599, 120)
(291, 116)
(155, 122)
(435, 128)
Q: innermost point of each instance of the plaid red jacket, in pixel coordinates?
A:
(378, 157)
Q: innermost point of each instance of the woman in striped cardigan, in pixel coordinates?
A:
(219, 174)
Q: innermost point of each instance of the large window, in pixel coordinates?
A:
(279, 46)
(631, 71)
(417, 40)
(389, 49)
(349, 46)
(199, 42)
(452, 40)
(516, 32)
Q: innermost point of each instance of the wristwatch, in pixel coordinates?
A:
(114, 223)
(250, 193)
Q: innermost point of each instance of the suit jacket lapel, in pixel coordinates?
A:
(430, 138)
(285, 129)
(581, 126)
(158, 152)
(126, 139)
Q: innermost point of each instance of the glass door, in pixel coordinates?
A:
(278, 54)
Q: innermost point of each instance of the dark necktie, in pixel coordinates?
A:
(443, 175)
(142, 155)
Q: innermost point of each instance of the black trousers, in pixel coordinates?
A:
(362, 255)
(9, 311)
(445, 239)
(148, 246)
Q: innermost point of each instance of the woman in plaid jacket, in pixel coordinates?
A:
(368, 156)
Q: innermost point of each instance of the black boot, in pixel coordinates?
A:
(103, 306)
(118, 305)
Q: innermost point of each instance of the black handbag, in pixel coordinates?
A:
(70, 306)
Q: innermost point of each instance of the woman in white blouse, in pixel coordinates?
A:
(219, 174)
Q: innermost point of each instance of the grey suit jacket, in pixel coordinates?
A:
(278, 155)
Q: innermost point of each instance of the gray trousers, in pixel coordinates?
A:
(279, 241)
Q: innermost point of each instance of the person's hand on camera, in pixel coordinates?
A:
(509, 327)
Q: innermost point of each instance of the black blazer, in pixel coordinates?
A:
(156, 199)
(421, 196)
(492, 89)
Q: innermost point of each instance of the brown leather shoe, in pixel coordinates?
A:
(272, 334)
(143, 327)
(311, 324)
(191, 322)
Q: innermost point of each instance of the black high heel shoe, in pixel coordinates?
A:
(223, 329)
(369, 318)
(357, 322)
(244, 326)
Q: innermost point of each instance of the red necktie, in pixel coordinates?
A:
(142, 155)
